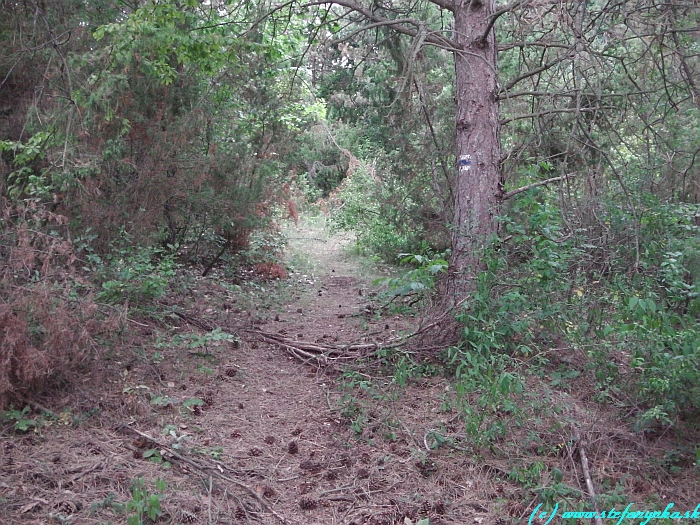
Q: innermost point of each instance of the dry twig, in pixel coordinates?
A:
(209, 470)
(326, 353)
(587, 474)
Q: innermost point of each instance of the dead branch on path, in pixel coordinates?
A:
(206, 469)
(321, 352)
(324, 353)
(587, 474)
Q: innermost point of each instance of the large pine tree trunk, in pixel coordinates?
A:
(479, 183)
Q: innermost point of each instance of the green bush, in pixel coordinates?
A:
(665, 358)
(386, 214)
(136, 275)
(420, 281)
(542, 287)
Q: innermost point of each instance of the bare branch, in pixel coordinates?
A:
(372, 26)
(398, 26)
(537, 70)
(512, 193)
(512, 45)
(496, 15)
(551, 111)
(571, 94)
(587, 474)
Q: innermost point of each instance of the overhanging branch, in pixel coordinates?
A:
(397, 25)
(554, 111)
(537, 70)
(373, 26)
(496, 15)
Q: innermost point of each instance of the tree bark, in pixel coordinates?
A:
(479, 182)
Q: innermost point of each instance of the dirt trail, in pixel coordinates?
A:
(276, 439)
(334, 291)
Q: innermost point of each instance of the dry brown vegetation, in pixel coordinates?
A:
(46, 329)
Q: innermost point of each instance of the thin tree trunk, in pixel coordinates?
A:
(479, 182)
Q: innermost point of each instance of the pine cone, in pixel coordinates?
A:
(187, 516)
(208, 398)
(308, 504)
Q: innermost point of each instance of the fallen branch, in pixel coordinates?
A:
(587, 474)
(326, 353)
(322, 352)
(209, 470)
(199, 323)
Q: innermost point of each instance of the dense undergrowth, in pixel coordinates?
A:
(562, 338)
(64, 303)
(548, 292)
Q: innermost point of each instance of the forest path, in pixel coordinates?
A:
(337, 445)
(339, 460)
(332, 287)
(243, 431)
(212, 399)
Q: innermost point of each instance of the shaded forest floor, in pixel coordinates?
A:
(248, 430)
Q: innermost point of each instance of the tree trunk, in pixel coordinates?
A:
(479, 182)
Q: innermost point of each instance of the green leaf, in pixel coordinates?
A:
(162, 401)
(633, 302)
(439, 267)
(557, 475)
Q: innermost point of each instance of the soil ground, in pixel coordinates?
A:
(247, 431)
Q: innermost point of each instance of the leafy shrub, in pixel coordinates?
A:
(135, 274)
(387, 215)
(25, 179)
(419, 281)
(542, 287)
(265, 247)
(665, 357)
